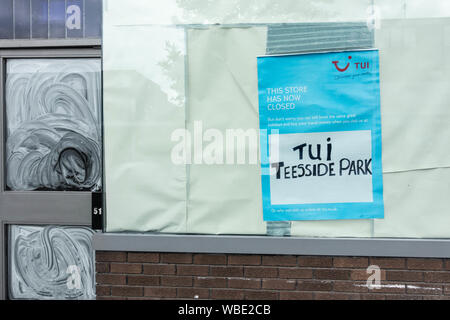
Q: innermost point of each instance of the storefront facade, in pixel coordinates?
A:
(157, 154)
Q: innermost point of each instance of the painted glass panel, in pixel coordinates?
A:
(51, 262)
(53, 124)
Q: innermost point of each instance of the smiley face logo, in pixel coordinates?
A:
(341, 69)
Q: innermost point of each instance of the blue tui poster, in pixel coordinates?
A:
(320, 135)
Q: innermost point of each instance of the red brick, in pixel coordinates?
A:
(279, 260)
(160, 292)
(314, 285)
(437, 277)
(359, 275)
(101, 267)
(176, 258)
(335, 296)
(159, 269)
(350, 262)
(279, 284)
(424, 264)
(255, 277)
(294, 295)
(126, 268)
(110, 256)
(210, 282)
(103, 291)
(424, 289)
(260, 272)
(111, 298)
(192, 270)
(226, 271)
(193, 293)
(143, 280)
(227, 294)
(315, 261)
(145, 257)
(127, 291)
(248, 260)
(170, 281)
(210, 259)
(295, 273)
(244, 283)
(111, 279)
(404, 276)
(389, 263)
(436, 298)
(332, 274)
(373, 296)
(350, 286)
(403, 297)
(447, 289)
(260, 295)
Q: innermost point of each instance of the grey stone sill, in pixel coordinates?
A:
(381, 247)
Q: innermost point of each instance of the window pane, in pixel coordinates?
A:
(192, 187)
(51, 263)
(53, 124)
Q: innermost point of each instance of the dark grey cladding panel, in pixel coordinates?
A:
(57, 21)
(93, 19)
(78, 31)
(6, 19)
(39, 16)
(50, 19)
(304, 37)
(22, 21)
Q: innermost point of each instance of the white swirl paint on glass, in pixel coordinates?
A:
(51, 263)
(53, 119)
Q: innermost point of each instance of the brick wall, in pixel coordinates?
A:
(130, 275)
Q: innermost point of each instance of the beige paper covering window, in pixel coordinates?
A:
(143, 105)
(223, 89)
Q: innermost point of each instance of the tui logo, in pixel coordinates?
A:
(342, 69)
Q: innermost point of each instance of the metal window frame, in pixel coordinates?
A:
(48, 43)
(70, 208)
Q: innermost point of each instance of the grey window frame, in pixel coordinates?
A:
(363, 247)
(69, 208)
